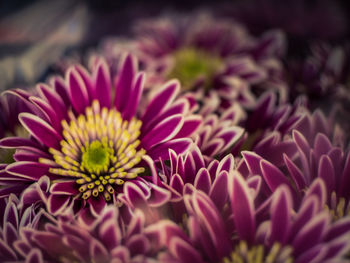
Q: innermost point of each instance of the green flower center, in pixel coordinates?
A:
(96, 157)
(192, 65)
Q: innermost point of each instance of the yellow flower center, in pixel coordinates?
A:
(258, 254)
(100, 150)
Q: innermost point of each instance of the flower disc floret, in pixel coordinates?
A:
(100, 150)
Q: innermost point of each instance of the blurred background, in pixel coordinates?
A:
(36, 33)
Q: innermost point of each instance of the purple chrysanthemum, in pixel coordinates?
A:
(108, 239)
(206, 54)
(90, 135)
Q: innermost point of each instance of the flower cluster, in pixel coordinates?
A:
(191, 142)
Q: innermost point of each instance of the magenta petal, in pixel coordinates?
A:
(242, 207)
(77, 91)
(16, 142)
(312, 233)
(138, 244)
(57, 203)
(137, 89)
(161, 101)
(34, 256)
(326, 172)
(98, 252)
(218, 192)
(97, 204)
(110, 234)
(345, 178)
(159, 196)
(281, 208)
(28, 170)
(6, 251)
(54, 99)
(203, 180)
(64, 188)
(163, 131)
(124, 83)
(161, 150)
(41, 130)
(272, 175)
(103, 84)
(183, 251)
(253, 162)
(295, 173)
(190, 125)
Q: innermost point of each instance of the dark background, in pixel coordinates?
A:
(35, 33)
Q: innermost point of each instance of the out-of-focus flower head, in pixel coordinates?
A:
(107, 239)
(276, 230)
(315, 152)
(14, 218)
(207, 54)
(90, 135)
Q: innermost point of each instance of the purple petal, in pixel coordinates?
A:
(189, 126)
(272, 175)
(77, 91)
(164, 97)
(28, 170)
(97, 204)
(98, 252)
(54, 100)
(281, 207)
(34, 256)
(124, 83)
(242, 207)
(295, 173)
(203, 180)
(253, 162)
(311, 233)
(161, 150)
(110, 234)
(102, 81)
(57, 203)
(41, 130)
(138, 244)
(64, 188)
(218, 192)
(183, 251)
(326, 172)
(136, 93)
(163, 131)
(159, 196)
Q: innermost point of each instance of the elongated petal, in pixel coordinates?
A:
(77, 91)
(41, 130)
(163, 131)
(242, 207)
(161, 101)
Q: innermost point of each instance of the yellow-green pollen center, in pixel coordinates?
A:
(192, 64)
(258, 254)
(99, 150)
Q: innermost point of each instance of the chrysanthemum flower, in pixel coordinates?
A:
(277, 230)
(206, 54)
(13, 220)
(109, 239)
(92, 135)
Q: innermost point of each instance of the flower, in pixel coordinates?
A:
(90, 145)
(13, 220)
(205, 54)
(108, 239)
